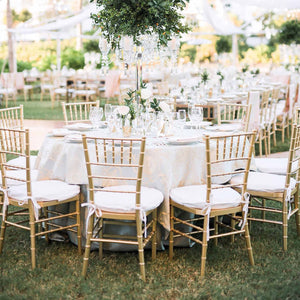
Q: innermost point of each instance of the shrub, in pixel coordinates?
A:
(72, 58)
(223, 44)
(289, 32)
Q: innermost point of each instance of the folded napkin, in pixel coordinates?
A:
(186, 139)
(79, 126)
(60, 132)
(76, 137)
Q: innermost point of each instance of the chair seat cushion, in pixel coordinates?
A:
(264, 182)
(85, 92)
(60, 91)
(19, 174)
(21, 161)
(122, 202)
(45, 190)
(273, 165)
(194, 196)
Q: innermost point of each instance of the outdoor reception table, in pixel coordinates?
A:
(168, 163)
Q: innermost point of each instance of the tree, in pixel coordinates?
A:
(223, 44)
(10, 42)
(25, 15)
(289, 32)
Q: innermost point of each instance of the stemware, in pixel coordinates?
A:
(95, 116)
(107, 110)
(181, 117)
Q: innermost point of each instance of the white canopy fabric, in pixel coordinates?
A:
(59, 24)
(269, 4)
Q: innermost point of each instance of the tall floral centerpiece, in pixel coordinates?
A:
(134, 26)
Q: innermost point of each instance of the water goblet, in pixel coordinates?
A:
(95, 116)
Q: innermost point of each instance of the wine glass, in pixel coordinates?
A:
(95, 116)
(107, 110)
(196, 116)
(181, 117)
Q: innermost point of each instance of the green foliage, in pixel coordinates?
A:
(223, 44)
(154, 104)
(46, 62)
(23, 65)
(289, 32)
(130, 103)
(6, 68)
(190, 51)
(204, 76)
(243, 46)
(245, 68)
(221, 77)
(72, 58)
(117, 18)
(91, 46)
(23, 16)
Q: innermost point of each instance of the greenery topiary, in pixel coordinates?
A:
(289, 32)
(223, 44)
(134, 18)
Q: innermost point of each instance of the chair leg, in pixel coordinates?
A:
(297, 215)
(263, 213)
(101, 236)
(140, 248)
(154, 228)
(42, 94)
(171, 237)
(78, 222)
(46, 224)
(260, 145)
(216, 227)
(88, 246)
(3, 229)
(248, 243)
(204, 247)
(232, 226)
(282, 134)
(32, 235)
(284, 226)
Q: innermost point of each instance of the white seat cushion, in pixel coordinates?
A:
(21, 161)
(273, 165)
(122, 202)
(264, 182)
(195, 196)
(45, 190)
(20, 174)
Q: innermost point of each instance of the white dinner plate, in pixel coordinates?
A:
(183, 141)
(79, 127)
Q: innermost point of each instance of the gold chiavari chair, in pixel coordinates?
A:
(114, 168)
(78, 111)
(268, 189)
(232, 113)
(26, 206)
(226, 156)
(12, 117)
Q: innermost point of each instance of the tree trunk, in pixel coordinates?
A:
(10, 40)
(79, 29)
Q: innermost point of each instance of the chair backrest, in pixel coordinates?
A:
(8, 80)
(227, 156)
(78, 111)
(12, 117)
(296, 117)
(113, 162)
(15, 143)
(234, 113)
(293, 168)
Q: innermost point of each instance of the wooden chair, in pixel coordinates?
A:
(83, 92)
(7, 87)
(226, 156)
(30, 201)
(268, 189)
(232, 113)
(12, 117)
(21, 85)
(114, 168)
(78, 111)
(47, 86)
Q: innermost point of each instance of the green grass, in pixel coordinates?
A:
(275, 275)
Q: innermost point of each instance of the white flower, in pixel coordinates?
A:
(164, 107)
(146, 93)
(123, 110)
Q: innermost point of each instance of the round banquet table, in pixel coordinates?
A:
(166, 166)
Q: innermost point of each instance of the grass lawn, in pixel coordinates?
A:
(276, 274)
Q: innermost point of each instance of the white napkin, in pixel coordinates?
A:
(186, 139)
(76, 137)
(60, 132)
(79, 126)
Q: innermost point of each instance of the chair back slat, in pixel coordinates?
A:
(12, 117)
(78, 111)
(227, 156)
(113, 162)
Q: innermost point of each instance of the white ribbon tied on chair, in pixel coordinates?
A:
(92, 209)
(245, 210)
(143, 218)
(288, 200)
(5, 201)
(36, 206)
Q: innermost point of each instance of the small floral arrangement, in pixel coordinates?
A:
(255, 72)
(129, 103)
(159, 106)
(123, 111)
(204, 77)
(245, 68)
